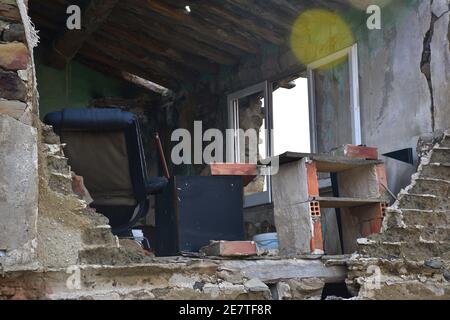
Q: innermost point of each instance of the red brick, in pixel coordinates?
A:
(230, 249)
(313, 180)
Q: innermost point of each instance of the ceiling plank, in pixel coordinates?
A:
(152, 46)
(69, 43)
(136, 56)
(218, 12)
(170, 37)
(199, 26)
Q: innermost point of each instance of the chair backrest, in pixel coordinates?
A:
(105, 147)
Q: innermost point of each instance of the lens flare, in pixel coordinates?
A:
(318, 33)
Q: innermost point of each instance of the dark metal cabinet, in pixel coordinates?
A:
(194, 210)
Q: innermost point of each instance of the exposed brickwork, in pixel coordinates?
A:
(413, 251)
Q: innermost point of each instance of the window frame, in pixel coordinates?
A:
(352, 54)
(233, 154)
(233, 151)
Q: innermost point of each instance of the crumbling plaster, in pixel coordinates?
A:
(440, 64)
(18, 138)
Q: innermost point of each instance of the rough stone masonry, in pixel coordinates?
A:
(410, 259)
(18, 137)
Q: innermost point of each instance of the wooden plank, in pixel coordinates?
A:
(173, 36)
(201, 27)
(96, 59)
(67, 46)
(328, 163)
(135, 54)
(272, 271)
(330, 202)
(219, 13)
(136, 38)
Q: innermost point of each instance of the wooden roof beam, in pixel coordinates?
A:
(178, 16)
(217, 11)
(123, 75)
(170, 37)
(136, 56)
(95, 56)
(70, 42)
(155, 47)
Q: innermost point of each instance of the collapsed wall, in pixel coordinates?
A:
(410, 259)
(43, 223)
(18, 137)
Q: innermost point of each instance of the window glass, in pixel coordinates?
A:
(291, 117)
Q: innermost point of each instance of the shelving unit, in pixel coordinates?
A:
(297, 200)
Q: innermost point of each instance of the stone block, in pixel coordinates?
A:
(306, 289)
(15, 32)
(14, 56)
(13, 109)
(12, 87)
(9, 10)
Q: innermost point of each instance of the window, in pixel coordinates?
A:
(334, 101)
(310, 112)
(249, 116)
(291, 116)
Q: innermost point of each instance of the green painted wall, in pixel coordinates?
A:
(76, 86)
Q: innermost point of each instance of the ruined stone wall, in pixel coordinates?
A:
(18, 137)
(42, 223)
(410, 259)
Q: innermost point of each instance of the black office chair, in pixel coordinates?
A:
(105, 147)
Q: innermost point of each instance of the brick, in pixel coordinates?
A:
(247, 171)
(230, 249)
(12, 87)
(14, 56)
(313, 180)
(357, 152)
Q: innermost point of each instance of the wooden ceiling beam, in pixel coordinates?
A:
(122, 75)
(138, 57)
(171, 38)
(218, 12)
(69, 43)
(107, 59)
(137, 38)
(140, 9)
(199, 26)
(258, 10)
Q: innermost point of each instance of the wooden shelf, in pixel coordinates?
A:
(326, 202)
(328, 163)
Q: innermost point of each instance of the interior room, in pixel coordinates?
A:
(221, 149)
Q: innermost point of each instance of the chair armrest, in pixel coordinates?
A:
(156, 185)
